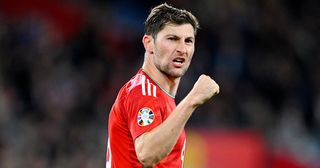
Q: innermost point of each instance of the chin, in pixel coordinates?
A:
(173, 72)
(177, 73)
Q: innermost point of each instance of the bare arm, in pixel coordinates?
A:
(151, 147)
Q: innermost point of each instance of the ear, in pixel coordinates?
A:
(148, 44)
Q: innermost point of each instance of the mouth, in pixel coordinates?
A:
(179, 61)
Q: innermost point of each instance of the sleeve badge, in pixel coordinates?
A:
(145, 116)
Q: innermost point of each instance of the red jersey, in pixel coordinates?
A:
(140, 106)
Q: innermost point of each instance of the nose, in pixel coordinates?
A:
(181, 47)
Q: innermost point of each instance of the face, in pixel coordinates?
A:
(173, 49)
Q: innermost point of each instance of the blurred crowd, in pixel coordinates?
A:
(63, 62)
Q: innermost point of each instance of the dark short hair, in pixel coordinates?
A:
(164, 14)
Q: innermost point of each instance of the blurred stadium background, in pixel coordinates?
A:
(63, 62)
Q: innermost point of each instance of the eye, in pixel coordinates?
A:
(172, 38)
(189, 41)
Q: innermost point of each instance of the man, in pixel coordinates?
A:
(146, 128)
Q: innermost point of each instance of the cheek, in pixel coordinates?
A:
(191, 51)
(160, 55)
(164, 51)
(166, 48)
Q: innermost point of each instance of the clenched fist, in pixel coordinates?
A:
(203, 90)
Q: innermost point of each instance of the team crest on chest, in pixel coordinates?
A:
(145, 116)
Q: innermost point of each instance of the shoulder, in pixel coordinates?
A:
(139, 90)
(141, 86)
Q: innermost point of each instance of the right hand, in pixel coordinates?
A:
(203, 90)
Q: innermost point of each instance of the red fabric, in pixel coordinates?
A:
(140, 93)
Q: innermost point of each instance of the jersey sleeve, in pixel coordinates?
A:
(143, 113)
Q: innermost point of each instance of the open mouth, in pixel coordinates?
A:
(179, 60)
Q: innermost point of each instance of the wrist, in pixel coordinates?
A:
(192, 101)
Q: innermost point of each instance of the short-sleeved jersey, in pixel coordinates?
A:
(140, 106)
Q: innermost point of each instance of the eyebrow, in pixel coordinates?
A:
(189, 37)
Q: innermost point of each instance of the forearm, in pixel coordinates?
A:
(153, 146)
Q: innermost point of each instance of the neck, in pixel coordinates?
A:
(168, 83)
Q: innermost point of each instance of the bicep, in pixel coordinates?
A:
(144, 114)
